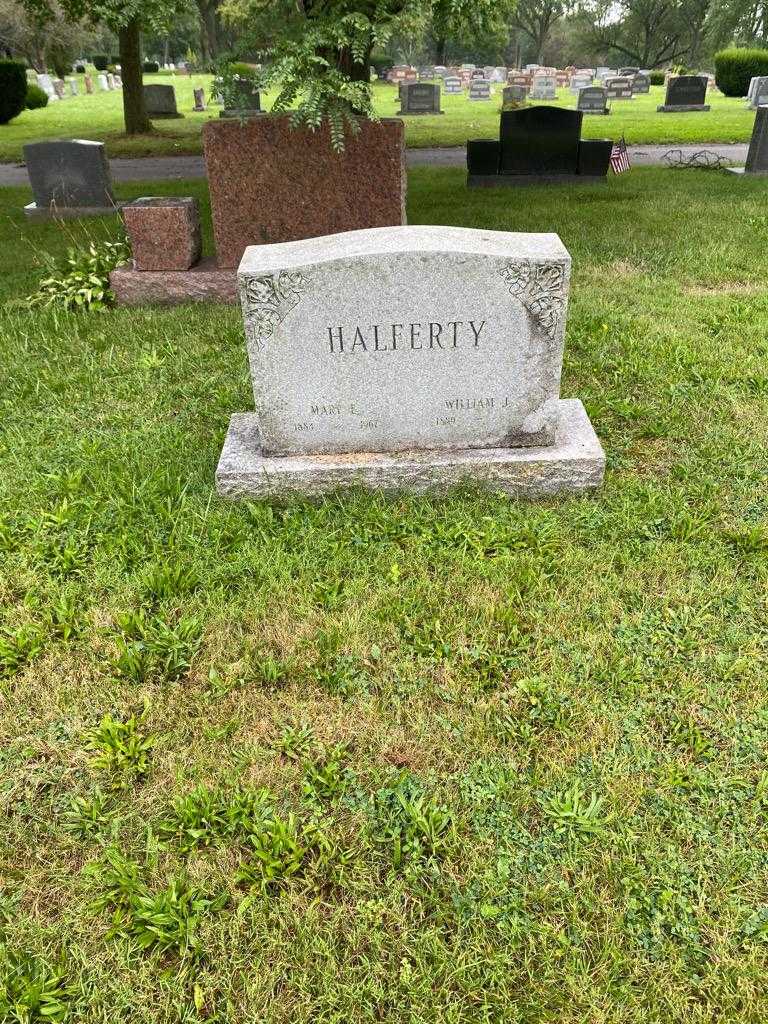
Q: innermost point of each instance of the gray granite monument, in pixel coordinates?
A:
(160, 101)
(408, 358)
(757, 154)
(479, 89)
(544, 87)
(685, 93)
(593, 100)
(70, 178)
(618, 88)
(452, 85)
(419, 98)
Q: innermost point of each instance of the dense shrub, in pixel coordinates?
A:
(100, 62)
(151, 67)
(734, 68)
(36, 97)
(243, 70)
(657, 77)
(13, 89)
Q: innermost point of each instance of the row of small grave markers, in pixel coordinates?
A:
(56, 88)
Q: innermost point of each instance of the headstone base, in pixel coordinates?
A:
(575, 463)
(205, 282)
(523, 180)
(35, 212)
(743, 172)
(232, 112)
(164, 117)
(683, 109)
(598, 112)
(418, 113)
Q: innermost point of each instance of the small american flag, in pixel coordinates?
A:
(620, 157)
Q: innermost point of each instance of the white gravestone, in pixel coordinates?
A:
(103, 84)
(46, 84)
(437, 349)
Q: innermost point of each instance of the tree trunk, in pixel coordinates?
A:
(134, 107)
(440, 45)
(211, 30)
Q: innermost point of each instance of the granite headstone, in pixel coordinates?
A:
(69, 178)
(160, 101)
(419, 98)
(544, 87)
(479, 89)
(593, 100)
(685, 93)
(407, 357)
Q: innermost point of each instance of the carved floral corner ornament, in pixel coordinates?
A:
(541, 289)
(267, 301)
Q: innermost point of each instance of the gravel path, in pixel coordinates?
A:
(168, 168)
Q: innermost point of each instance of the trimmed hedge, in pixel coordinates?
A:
(734, 68)
(656, 77)
(36, 97)
(100, 62)
(151, 67)
(13, 89)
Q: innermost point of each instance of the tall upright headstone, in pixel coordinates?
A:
(419, 98)
(593, 99)
(69, 178)
(757, 155)
(479, 89)
(618, 88)
(408, 358)
(544, 87)
(160, 101)
(685, 93)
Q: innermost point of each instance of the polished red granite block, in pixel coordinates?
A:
(272, 183)
(164, 232)
(205, 282)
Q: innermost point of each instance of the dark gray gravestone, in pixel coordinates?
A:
(419, 98)
(160, 101)
(540, 141)
(685, 93)
(641, 84)
(757, 155)
(69, 178)
(593, 100)
(514, 96)
(619, 88)
(479, 89)
(452, 85)
(243, 99)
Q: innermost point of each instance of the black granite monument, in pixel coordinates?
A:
(537, 145)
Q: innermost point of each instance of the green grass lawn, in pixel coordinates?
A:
(100, 117)
(452, 760)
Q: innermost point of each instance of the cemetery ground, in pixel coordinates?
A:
(452, 759)
(100, 117)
